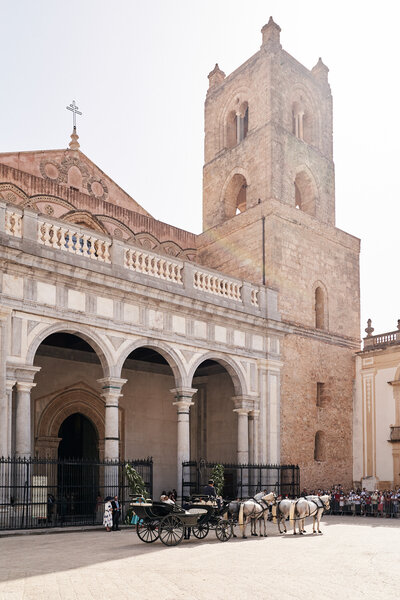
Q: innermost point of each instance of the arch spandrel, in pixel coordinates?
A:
(232, 367)
(166, 351)
(99, 344)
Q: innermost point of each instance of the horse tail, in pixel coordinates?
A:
(291, 513)
(240, 520)
(274, 513)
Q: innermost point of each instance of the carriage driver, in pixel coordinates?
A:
(209, 490)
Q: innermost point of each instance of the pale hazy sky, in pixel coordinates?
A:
(138, 71)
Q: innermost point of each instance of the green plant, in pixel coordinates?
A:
(217, 474)
(135, 482)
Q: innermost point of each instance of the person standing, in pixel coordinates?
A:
(116, 513)
(108, 515)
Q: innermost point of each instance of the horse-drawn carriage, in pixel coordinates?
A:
(168, 522)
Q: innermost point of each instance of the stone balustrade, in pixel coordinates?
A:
(29, 228)
(153, 265)
(384, 339)
(72, 239)
(215, 284)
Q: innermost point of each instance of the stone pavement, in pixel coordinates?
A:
(355, 558)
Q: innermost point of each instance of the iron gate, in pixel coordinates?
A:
(242, 481)
(36, 492)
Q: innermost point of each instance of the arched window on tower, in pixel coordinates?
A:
(319, 446)
(235, 199)
(320, 308)
(237, 125)
(302, 122)
(305, 193)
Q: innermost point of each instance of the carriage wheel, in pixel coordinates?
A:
(201, 530)
(171, 530)
(224, 531)
(148, 531)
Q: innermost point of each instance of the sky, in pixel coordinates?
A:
(138, 72)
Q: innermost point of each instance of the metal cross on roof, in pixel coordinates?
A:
(74, 109)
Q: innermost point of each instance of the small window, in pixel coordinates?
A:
(320, 394)
(319, 446)
(319, 308)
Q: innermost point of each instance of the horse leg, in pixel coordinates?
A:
(318, 522)
(246, 520)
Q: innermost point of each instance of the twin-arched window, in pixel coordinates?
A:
(237, 125)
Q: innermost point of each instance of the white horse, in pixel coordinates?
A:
(254, 509)
(310, 506)
(281, 511)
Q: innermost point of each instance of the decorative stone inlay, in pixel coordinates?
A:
(97, 188)
(13, 223)
(50, 169)
(49, 210)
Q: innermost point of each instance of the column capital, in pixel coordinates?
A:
(111, 384)
(244, 404)
(25, 386)
(23, 373)
(10, 384)
(254, 414)
(183, 392)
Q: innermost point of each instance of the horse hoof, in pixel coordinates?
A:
(294, 533)
(320, 532)
(234, 535)
(244, 537)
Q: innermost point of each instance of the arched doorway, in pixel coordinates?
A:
(79, 438)
(78, 469)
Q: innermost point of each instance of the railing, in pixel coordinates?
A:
(384, 339)
(394, 434)
(220, 286)
(73, 240)
(242, 481)
(153, 265)
(13, 223)
(37, 492)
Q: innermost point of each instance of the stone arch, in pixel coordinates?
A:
(231, 366)
(234, 193)
(84, 218)
(320, 306)
(78, 398)
(319, 446)
(166, 352)
(305, 191)
(304, 115)
(234, 104)
(99, 344)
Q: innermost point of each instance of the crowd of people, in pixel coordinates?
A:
(361, 502)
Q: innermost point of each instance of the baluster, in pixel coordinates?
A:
(92, 248)
(107, 255)
(63, 239)
(179, 277)
(85, 247)
(46, 234)
(100, 250)
(70, 241)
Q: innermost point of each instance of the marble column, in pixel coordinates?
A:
(23, 414)
(270, 405)
(111, 393)
(8, 415)
(253, 437)
(183, 402)
(4, 329)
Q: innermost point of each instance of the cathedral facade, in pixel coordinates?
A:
(125, 337)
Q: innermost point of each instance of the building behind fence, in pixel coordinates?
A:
(242, 481)
(37, 492)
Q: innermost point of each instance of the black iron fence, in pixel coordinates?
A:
(37, 492)
(242, 481)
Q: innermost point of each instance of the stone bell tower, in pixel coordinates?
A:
(269, 217)
(268, 133)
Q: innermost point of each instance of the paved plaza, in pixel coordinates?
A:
(355, 558)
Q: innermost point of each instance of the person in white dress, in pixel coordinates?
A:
(107, 517)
